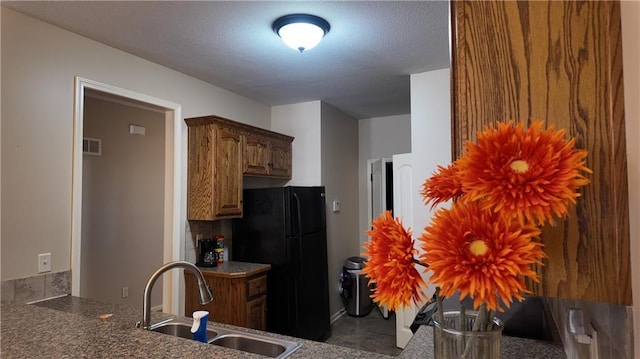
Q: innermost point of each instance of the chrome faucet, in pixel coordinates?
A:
(205, 292)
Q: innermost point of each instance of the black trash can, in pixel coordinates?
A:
(354, 288)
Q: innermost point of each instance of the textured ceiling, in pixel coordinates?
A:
(361, 67)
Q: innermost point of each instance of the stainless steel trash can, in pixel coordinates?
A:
(354, 288)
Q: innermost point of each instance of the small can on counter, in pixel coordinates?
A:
(220, 247)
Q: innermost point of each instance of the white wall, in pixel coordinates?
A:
(430, 132)
(380, 137)
(122, 202)
(303, 122)
(630, 11)
(340, 178)
(39, 62)
(430, 136)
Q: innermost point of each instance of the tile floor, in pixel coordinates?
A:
(371, 333)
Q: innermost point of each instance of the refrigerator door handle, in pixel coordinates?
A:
(297, 243)
(295, 322)
(298, 224)
(299, 235)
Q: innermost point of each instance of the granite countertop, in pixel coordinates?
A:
(70, 327)
(235, 269)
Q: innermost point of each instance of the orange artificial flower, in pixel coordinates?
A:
(442, 186)
(391, 264)
(530, 174)
(480, 254)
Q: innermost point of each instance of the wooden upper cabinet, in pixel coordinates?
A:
(280, 165)
(560, 62)
(256, 155)
(220, 152)
(267, 154)
(214, 183)
(228, 172)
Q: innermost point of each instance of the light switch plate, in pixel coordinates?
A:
(336, 205)
(44, 262)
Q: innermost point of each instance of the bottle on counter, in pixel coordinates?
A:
(199, 327)
(220, 247)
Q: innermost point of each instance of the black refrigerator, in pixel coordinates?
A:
(286, 228)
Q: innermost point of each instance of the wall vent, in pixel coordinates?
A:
(92, 146)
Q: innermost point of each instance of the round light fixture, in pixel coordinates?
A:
(301, 31)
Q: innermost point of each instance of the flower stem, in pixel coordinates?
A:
(479, 325)
(440, 316)
(463, 328)
(417, 261)
(490, 315)
(482, 318)
(439, 307)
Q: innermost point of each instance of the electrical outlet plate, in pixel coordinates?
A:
(44, 262)
(125, 292)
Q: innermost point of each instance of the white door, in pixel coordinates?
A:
(403, 194)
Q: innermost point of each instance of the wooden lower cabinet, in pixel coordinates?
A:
(240, 301)
(257, 313)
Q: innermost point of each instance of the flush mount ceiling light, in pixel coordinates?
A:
(301, 31)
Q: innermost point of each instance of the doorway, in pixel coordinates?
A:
(122, 198)
(380, 198)
(170, 212)
(380, 187)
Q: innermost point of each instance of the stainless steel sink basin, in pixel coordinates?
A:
(233, 339)
(264, 346)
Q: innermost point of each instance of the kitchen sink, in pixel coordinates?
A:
(233, 339)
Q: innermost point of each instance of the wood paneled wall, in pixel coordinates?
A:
(560, 62)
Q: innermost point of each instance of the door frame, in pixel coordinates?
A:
(174, 213)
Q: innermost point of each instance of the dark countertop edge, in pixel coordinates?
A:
(233, 269)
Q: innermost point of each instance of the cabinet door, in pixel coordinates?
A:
(200, 172)
(227, 173)
(214, 181)
(280, 164)
(229, 299)
(257, 313)
(256, 155)
(560, 62)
